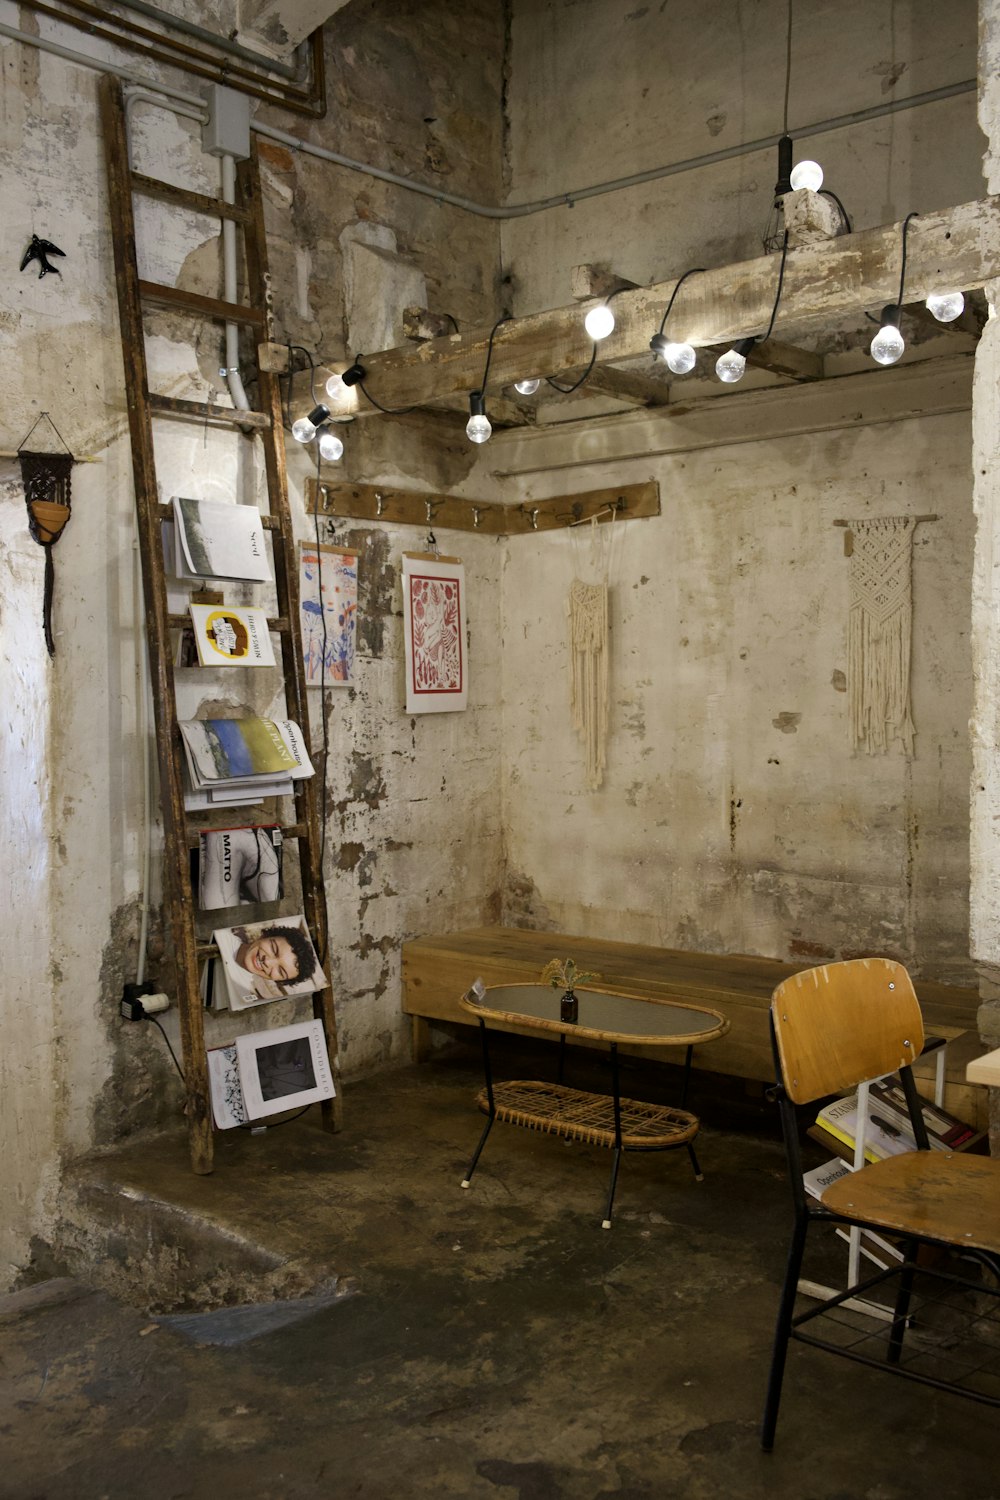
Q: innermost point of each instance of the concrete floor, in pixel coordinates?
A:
(478, 1345)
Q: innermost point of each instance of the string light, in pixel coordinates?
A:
(679, 358)
(888, 344)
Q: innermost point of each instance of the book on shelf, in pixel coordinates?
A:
(238, 866)
(231, 635)
(216, 539)
(264, 961)
(258, 756)
(267, 1072)
(888, 1129)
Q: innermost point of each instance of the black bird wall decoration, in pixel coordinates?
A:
(40, 250)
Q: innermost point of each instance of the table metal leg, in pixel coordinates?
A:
(488, 1075)
(687, 1076)
(616, 1158)
(699, 1175)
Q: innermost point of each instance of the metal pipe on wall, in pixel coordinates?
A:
(514, 210)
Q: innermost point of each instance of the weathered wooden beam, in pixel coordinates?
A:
(596, 281)
(784, 359)
(824, 284)
(626, 385)
(501, 411)
(812, 218)
(967, 322)
(370, 502)
(420, 324)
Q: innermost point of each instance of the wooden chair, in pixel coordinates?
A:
(832, 1028)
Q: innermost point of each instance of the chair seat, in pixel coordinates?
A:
(945, 1196)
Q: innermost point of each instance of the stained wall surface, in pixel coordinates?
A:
(734, 815)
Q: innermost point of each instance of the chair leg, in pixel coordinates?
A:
(466, 1180)
(782, 1332)
(902, 1307)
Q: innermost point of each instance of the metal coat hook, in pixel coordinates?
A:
(533, 518)
(378, 505)
(476, 513)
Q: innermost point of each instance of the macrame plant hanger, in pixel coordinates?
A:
(46, 479)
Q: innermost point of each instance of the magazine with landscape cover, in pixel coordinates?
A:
(243, 752)
(231, 635)
(238, 866)
(216, 539)
(266, 1073)
(265, 961)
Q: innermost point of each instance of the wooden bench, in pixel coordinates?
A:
(436, 971)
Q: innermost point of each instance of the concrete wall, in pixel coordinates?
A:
(413, 840)
(602, 91)
(735, 815)
(699, 835)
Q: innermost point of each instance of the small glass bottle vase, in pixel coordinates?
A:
(569, 1008)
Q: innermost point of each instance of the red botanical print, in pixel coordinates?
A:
(436, 634)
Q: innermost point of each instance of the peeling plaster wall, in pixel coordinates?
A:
(413, 834)
(701, 76)
(735, 816)
(985, 724)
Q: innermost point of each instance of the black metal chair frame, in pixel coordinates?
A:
(906, 1275)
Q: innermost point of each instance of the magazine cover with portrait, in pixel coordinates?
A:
(265, 961)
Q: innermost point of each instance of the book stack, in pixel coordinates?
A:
(269, 1072)
(241, 761)
(888, 1131)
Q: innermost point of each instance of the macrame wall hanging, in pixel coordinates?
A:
(878, 643)
(46, 477)
(588, 616)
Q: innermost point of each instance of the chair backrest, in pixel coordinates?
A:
(842, 1023)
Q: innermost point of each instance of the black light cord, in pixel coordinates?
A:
(506, 318)
(788, 66)
(566, 389)
(902, 268)
(694, 271)
(390, 411)
(829, 193)
(777, 295)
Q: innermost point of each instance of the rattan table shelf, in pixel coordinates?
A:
(556, 1109)
(601, 1016)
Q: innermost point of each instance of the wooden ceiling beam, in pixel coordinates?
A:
(824, 284)
(784, 359)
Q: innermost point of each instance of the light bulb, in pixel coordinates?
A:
(304, 430)
(330, 446)
(888, 345)
(527, 387)
(730, 366)
(599, 321)
(478, 427)
(336, 389)
(946, 306)
(680, 358)
(807, 174)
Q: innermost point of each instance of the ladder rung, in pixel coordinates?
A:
(194, 831)
(178, 300)
(204, 411)
(179, 622)
(201, 203)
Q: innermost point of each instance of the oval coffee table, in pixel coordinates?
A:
(602, 1016)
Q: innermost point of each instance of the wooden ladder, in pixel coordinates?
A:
(179, 834)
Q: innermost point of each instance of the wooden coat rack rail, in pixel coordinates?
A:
(370, 502)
